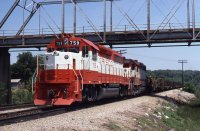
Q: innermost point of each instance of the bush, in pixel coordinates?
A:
(3, 94)
(189, 87)
(197, 91)
(21, 95)
(192, 89)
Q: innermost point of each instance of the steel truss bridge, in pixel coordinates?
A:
(131, 35)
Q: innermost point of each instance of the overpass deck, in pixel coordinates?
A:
(119, 38)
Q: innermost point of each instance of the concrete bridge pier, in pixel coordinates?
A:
(5, 88)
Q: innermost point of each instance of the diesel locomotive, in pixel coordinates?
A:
(74, 70)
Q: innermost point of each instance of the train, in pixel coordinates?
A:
(74, 70)
(158, 84)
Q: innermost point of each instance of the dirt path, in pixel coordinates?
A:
(120, 115)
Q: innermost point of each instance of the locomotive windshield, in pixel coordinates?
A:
(73, 49)
(65, 49)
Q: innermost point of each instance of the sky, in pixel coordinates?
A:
(153, 58)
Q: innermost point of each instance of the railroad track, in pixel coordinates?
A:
(19, 116)
(10, 107)
(36, 113)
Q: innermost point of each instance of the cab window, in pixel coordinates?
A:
(94, 55)
(132, 67)
(85, 51)
(50, 49)
(73, 49)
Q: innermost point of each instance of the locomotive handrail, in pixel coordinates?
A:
(73, 71)
(45, 65)
(35, 74)
(33, 80)
(81, 74)
(66, 66)
(81, 80)
(76, 77)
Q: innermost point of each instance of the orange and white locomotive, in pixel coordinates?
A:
(74, 69)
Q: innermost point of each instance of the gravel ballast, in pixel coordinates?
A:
(95, 118)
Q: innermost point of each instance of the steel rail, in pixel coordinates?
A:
(24, 115)
(20, 116)
(9, 107)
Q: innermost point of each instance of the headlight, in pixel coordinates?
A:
(66, 57)
(55, 53)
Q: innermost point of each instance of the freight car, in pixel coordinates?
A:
(74, 69)
(156, 84)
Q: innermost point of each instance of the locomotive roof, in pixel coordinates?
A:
(72, 38)
(130, 61)
(108, 51)
(101, 48)
(90, 44)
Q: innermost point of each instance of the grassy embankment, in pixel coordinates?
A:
(171, 116)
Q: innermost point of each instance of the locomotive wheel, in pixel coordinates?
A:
(95, 94)
(92, 94)
(84, 94)
(121, 92)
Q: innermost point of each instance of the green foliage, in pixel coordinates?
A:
(197, 91)
(3, 93)
(189, 87)
(148, 124)
(176, 75)
(174, 121)
(191, 78)
(186, 117)
(172, 117)
(24, 67)
(21, 95)
(114, 126)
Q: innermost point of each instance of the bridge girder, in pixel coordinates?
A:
(69, 1)
(9, 13)
(113, 39)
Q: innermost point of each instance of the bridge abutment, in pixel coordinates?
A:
(5, 88)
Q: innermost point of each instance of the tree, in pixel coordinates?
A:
(4, 92)
(24, 67)
(191, 78)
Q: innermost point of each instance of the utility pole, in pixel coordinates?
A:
(182, 62)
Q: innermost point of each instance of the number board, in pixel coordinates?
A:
(74, 42)
(60, 43)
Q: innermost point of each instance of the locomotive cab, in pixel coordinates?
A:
(60, 76)
(62, 54)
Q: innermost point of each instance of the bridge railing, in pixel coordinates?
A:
(89, 29)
